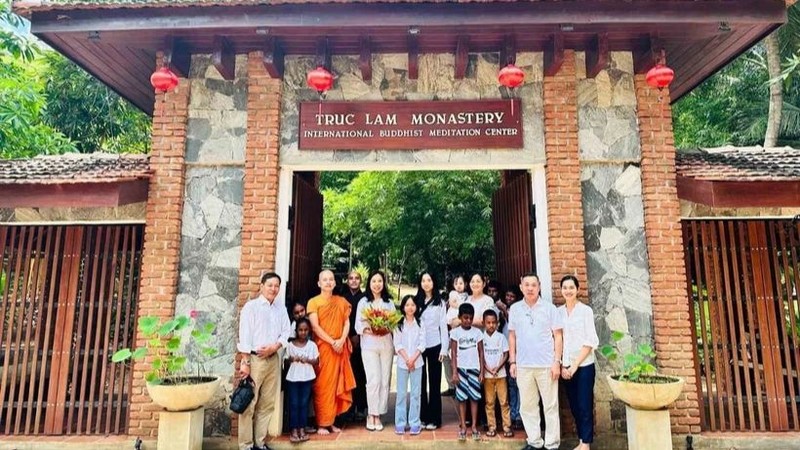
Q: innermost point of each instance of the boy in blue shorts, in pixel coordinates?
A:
(466, 359)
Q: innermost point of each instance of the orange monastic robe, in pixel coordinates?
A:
(335, 381)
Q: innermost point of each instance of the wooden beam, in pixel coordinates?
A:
(739, 194)
(554, 55)
(224, 58)
(323, 54)
(646, 57)
(508, 54)
(462, 57)
(413, 57)
(365, 59)
(467, 16)
(597, 55)
(73, 195)
(273, 58)
(177, 56)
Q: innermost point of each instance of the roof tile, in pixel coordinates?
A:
(75, 168)
(740, 164)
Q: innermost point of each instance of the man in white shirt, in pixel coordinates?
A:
(263, 331)
(535, 348)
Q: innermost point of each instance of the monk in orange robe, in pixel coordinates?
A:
(330, 320)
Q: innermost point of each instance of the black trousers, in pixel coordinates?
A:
(580, 393)
(431, 396)
(360, 392)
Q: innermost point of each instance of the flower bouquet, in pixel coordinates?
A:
(381, 321)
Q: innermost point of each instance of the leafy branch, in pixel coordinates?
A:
(632, 366)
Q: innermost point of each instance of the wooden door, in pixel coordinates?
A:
(306, 225)
(512, 210)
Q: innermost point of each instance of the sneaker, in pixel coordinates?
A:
(415, 430)
(431, 426)
(399, 430)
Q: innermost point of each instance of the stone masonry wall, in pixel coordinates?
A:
(211, 233)
(436, 81)
(611, 190)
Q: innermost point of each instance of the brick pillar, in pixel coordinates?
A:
(261, 178)
(162, 237)
(671, 320)
(563, 176)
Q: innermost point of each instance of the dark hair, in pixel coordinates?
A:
(469, 288)
(269, 276)
(302, 320)
(407, 298)
(489, 313)
(495, 284)
(530, 274)
(384, 292)
(453, 281)
(420, 297)
(466, 308)
(514, 290)
(570, 277)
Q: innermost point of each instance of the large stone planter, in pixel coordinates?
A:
(183, 397)
(647, 397)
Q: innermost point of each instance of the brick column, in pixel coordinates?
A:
(563, 176)
(260, 226)
(162, 237)
(671, 320)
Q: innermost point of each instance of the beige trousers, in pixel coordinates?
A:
(254, 421)
(533, 384)
(497, 388)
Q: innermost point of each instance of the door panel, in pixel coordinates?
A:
(306, 255)
(511, 221)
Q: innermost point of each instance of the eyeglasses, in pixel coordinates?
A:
(530, 316)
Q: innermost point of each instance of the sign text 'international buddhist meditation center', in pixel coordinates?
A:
(410, 125)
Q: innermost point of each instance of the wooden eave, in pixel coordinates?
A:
(740, 194)
(73, 194)
(119, 46)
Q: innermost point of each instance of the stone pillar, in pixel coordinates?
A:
(563, 176)
(159, 277)
(672, 322)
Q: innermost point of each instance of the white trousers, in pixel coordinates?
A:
(534, 383)
(378, 368)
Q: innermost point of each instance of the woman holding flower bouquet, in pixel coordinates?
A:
(376, 318)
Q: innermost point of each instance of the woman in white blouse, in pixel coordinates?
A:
(577, 369)
(376, 351)
(433, 313)
(478, 299)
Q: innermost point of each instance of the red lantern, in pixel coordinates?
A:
(164, 80)
(660, 76)
(511, 76)
(320, 80)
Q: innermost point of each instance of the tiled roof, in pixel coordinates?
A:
(75, 168)
(740, 164)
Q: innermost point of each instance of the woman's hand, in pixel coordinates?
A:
(442, 357)
(565, 373)
(367, 330)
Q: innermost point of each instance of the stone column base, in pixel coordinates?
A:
(648, 430)
(181, 430)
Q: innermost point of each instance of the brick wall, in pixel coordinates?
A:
(161, 255)
(563, 176)
(671, 320)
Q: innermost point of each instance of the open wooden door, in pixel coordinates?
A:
(512, 213)
(305, 221)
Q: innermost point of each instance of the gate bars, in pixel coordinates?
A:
(68, 302)
(743, 278)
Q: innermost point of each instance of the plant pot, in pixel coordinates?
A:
(183, 396)
(648, 397)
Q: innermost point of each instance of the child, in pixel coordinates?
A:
(455, 298)
(409, 343)
(298, 312)
(466, 355)
(303, 356)
(495, 351)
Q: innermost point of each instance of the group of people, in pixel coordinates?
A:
(495, 348)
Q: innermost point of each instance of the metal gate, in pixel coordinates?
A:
(68, 302)
(743, 278)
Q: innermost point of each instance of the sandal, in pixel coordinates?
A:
(508, 433)
(294, 438)
(476, 436)
(462, 434)
(491, 433)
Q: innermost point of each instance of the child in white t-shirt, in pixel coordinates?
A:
(466, 354)
(303, 356)
(495, 351)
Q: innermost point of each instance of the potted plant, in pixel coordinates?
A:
(168, 382)
(635, 380)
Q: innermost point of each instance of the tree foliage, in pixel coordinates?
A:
(405, 222)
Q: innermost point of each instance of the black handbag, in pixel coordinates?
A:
(242, 396)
